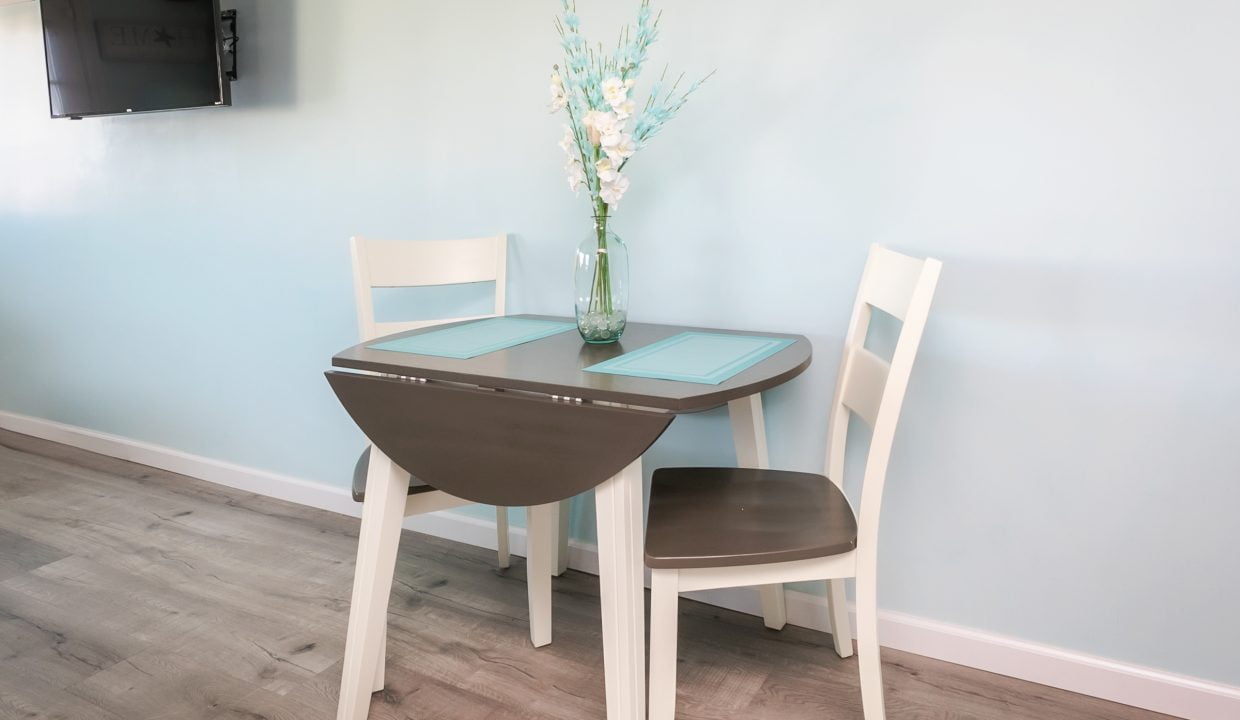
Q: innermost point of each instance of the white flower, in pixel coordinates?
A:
(606, 171)
(599, 123)
(576, 174)
(615, 92)
(624, 110)
(568, 143)
(612, 192)
(558, 99)
(618, 146)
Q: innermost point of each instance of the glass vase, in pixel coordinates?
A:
(602, 282)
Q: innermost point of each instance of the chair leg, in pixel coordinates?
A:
(386, 487)
(837, 608)
(540, 525)
(664, 611)
(774, 607)
(501, 536)
(867, 646)
(561, 539)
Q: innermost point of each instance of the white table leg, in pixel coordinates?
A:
(380, 663)
(618, 504)
(749, 435)
(540, 526)
(386, 488)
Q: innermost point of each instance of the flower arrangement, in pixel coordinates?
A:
(594, 88)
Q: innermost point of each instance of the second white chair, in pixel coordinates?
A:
(730, 527)
(405, 264)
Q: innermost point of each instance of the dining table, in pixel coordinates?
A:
(528, 425)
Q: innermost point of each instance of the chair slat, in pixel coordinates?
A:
(432, 262)
(890, 280)
(404, 264)
(864, 385)
(389, 328)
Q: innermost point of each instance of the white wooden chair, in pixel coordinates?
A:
(726, 527)
(406, 264)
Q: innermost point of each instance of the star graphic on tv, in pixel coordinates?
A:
(161, 35)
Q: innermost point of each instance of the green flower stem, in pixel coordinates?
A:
(601, 299)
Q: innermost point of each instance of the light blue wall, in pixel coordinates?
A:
(1067, 470)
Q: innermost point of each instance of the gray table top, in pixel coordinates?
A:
(554, 366)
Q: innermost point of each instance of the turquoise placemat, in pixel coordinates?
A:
(475, 338)
(697, 357)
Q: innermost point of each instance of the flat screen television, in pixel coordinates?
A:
(110, 57)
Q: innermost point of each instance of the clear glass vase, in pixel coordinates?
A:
(602, 282)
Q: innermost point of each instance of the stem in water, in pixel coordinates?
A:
(601, 300)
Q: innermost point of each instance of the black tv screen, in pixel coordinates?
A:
(107, 57)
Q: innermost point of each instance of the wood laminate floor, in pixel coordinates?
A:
(129, 593)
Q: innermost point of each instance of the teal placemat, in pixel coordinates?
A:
(475, 338)
(697, 357)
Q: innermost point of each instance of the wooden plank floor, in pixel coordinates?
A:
(129, 593)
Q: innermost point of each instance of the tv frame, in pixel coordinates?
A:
(222, 78)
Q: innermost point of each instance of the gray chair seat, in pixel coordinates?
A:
(359, 479)
(723, 517)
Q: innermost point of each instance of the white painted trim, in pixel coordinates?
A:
(260, 482)
(1142, 687)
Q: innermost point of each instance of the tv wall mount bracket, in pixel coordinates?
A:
(228, 32)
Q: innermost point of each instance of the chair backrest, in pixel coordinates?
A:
(404, 264)
(869, 386)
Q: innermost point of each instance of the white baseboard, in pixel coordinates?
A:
(260, 482)
(1142, 687)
